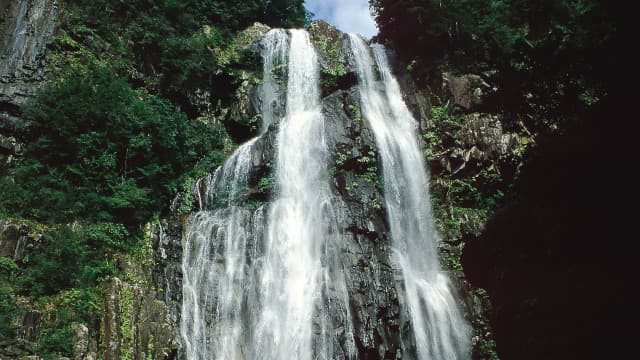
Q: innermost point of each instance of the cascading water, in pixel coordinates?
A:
(214, 263)
(269, 280)
(439, 328)
(256, 282)
(274, 54)
(299, 218)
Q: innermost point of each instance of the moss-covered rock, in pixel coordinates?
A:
(328, 40)
(332, 47)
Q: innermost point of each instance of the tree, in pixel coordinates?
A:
(549, 58)
(100, 150)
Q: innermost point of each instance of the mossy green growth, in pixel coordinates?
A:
(127, 320)
(328, 41)
(461, 204)
(370, 171)
(355, 112)
(60, 313)
(266, 183)
(443, 121)
(451, 259)
(483, 344)
(8, 309)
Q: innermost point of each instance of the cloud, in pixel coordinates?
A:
(347, 15)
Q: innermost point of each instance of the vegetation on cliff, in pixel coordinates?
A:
(136, 108)
(548, 59)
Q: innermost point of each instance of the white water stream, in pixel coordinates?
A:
(255, 286)
(438, 325)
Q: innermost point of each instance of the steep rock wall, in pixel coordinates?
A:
(26, 28)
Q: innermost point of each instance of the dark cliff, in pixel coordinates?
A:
(27, 28)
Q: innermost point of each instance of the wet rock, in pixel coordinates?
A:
(27, 30)
(14, 241)
(467, 92)
(418, 97)
(484, 134)
(330, 43)
(135, 322)
(81, 347)
(167, 272)
(369, 274)
(337, 71)
(9, 240)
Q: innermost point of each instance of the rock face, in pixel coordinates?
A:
(370, 276)
(14, 241)
(466, 91)
(138, 318)
(26, 28)
(135, 323)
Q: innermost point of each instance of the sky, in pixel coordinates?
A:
(346, 15)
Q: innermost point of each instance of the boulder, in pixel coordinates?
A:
(9, 240)
(467, 92)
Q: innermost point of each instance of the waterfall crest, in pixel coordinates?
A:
(439, 328)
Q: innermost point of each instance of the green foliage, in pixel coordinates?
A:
(451, 260)
(103, 236)
(369, 171)
(8, 310)
(356, 111)
(266, 183)
(67, 258)
(443, 121)
(56, 263)
(328, 41)
(7, 266)
(57, 337)
(547, 58)
(127, 328)
(100, 150)
(177, 47)
(57, 341)
(186, 196)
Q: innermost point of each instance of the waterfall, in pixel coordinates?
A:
(257, 281)
(218, 288)
(438, 325)
(274, 56)
(268, 280)
(299, 218)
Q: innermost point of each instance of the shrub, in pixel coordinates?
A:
(102, 151)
